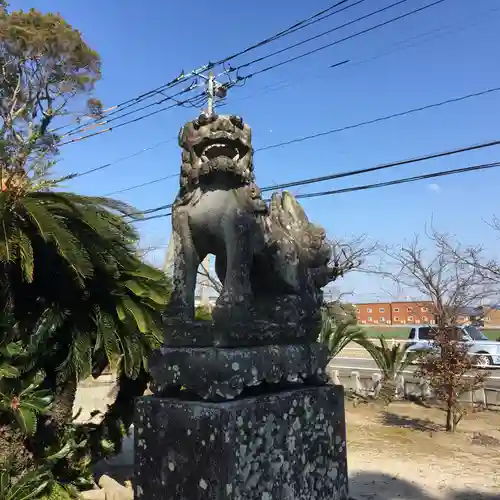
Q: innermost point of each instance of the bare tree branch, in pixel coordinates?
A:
(216, 284)
(444, 275)
(350, 255)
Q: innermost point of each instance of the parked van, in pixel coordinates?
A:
(486, 352)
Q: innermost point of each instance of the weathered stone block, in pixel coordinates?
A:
(179, 333)
(289, 445)
(215, 373)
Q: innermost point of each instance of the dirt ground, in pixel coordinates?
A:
(401, 452)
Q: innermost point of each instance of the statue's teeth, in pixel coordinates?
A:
(204, 157)
(236, 157)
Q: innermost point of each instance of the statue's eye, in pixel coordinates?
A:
(196, 124)
(203, 119)
(237, 121)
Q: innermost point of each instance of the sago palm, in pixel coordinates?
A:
(75, 255)
(337, 335)
(391, 361)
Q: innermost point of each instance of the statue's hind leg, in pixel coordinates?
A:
(186, 262)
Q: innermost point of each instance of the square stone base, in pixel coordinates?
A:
(283, 446)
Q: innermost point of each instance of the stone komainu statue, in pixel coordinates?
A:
(271, 260)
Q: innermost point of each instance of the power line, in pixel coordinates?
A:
(128, 113)
(107, 165)
(319, 35)
(135, 100)
(273, 88)
(274, 66)
(194, 73)
(384, 166)
(349, 173)
(134, 120)
(400, 45)
(291, 29)
(160, 216)
(323, 47)
(442, 173)
(381, 119)
(154, 181)
(473, 168)
(340, 129)
(310, 23)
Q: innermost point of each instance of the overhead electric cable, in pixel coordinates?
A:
(128, 113)
(154, 181)
(333, 131)
(419, 39)
(114, 162)
(291, 29)
(109, 129)
(195, 73)
(380, 119)
(472, 168)
(134, 120)
(323, 47)
(319, 35)
(349, 173)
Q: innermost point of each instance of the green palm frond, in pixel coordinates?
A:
(26, 256)
(336, 336)
(24, 401)
(30, 486)
(107, 338)
(390, 360)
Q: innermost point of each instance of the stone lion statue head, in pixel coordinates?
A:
(216, 149)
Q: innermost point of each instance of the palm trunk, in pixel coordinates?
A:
(64, 391)
(52, 425)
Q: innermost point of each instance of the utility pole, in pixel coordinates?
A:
(214, 89)
(210, 93)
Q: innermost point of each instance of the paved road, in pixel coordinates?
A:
(346, 365)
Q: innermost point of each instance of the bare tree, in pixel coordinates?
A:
(444, 276)
(441, 275)
(351, 255)
(486, 266)
(450, 372)
(204, 272)
(347, 256)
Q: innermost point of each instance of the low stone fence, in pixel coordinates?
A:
(94, 394)
(409, 387)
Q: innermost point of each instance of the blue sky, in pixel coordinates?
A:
(145, 44)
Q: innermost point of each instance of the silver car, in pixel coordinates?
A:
(486, 352)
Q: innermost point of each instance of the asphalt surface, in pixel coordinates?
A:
(346, 365)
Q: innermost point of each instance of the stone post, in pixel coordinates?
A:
(240, 413)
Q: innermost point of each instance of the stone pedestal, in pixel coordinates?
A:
(288, 445)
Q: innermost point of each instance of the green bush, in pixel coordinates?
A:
(203, 313)
(57, 493)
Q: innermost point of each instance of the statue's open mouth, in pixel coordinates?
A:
(211, 148)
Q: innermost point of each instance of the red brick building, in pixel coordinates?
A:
(374, 313)
(395, 313)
